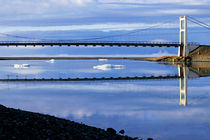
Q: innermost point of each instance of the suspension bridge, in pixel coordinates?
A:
(183, 45)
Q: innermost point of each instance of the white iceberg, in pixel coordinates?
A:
(108, 67)
(18, 66)
(51, 61)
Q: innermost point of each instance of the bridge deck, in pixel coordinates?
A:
(94, 79)
(69, 43)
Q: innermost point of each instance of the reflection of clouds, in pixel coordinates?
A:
(107, 87)
(161, 114)
(80, 113)
(69, 103)
(135, 106)
(28, 71)
(158, 72)
(104, 87)
(82, 91)
(84, 70)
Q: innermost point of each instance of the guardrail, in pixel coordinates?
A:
(93, 79)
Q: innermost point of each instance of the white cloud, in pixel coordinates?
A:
(180, 11)
(106, 27)
(70, 2)
(17, 7)
(187, 2)
(36, 9)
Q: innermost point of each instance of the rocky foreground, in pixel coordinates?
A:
(17, 124)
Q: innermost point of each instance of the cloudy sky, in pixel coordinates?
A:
(97, 12)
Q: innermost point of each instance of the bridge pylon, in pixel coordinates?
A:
(183, 49)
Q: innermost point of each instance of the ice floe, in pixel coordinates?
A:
(109, 67)
(18, 66)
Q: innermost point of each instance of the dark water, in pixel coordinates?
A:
(143, 108)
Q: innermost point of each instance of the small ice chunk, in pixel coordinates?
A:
(18, 66)
(51, 61)
(108, 67)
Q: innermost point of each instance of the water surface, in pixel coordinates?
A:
(143, 108)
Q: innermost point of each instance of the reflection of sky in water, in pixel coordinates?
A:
(80, 68)
(143, 108)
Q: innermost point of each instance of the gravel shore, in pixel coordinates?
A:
(17, 124)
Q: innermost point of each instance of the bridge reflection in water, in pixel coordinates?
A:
(194, 70)
(183, 85)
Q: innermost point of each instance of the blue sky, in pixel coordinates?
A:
(78, 19)
(98, 13)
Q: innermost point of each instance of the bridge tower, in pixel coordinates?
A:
(183, 49)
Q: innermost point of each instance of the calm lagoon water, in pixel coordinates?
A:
(143, 108)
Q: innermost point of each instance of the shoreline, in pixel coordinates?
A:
(200, 54)
(19, 124)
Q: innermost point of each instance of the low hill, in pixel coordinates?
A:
(201, 54)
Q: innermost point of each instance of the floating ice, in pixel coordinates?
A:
(51, 61)
(18, 66)
(108, 67)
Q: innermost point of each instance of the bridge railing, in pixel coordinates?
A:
(94, 43)
(160, 77)
(70, 41)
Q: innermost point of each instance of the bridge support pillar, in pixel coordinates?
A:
(183, 49)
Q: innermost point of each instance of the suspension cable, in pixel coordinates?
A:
(124, 34)
(202, 24)
(199, 21)
(95, 38)
(22, 37)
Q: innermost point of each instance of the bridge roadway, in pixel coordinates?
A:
(93, 79)
(87, 43)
